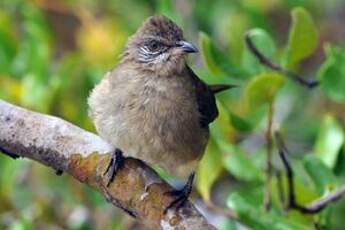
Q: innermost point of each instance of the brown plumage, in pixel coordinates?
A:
(152, 106)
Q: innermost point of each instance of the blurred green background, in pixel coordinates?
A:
(53, 52)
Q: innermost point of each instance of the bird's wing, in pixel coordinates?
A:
(205, 99)
(221, 87)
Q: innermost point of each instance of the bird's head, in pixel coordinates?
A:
(158, 45)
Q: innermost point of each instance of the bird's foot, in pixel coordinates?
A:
(116, 162)
(181, 195)
(59, 172)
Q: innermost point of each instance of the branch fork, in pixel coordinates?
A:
(317, 205)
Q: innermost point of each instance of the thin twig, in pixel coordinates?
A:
(280, 187)
(315, 206)
(265, 61)
(320, 204)
(268, 174)
(291, 186)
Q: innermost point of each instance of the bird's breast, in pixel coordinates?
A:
(163, 118)
(151, 118)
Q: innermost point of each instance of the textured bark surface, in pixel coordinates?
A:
(137, 189)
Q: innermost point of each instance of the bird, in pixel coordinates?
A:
(152, 106)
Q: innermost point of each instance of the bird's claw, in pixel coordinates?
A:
(181, 195)
(59, 172)
(116, 162)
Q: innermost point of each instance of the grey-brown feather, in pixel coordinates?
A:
(158, 113)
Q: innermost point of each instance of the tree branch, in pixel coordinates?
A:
(315, 206)
(137, 189)
(265, 61)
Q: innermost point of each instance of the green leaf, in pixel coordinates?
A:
(220, 129)
(227, 116)
(237, 24)
(303, 37)
(8, 41)
(263, 41)
(332, 74)
(253, 217)
(240, 123)
(35, 49)
(205, 45)
(218, 62)
(329, 141)
(239, 164)
(322, 176)
(209, 169)
(9, 173)
(263, 88)
(33, 91)
(23, 223)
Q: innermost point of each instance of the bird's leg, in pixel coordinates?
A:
(181, 195)
(116, 162)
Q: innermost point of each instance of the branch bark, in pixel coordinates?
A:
(137, 189)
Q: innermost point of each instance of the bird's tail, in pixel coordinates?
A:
(221, 87)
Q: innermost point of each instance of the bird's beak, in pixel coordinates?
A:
(186, 47)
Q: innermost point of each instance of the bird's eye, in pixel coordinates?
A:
(154, 46)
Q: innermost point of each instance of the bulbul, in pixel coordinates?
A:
(152, 106)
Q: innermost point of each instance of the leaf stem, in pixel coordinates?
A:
(268, 171)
